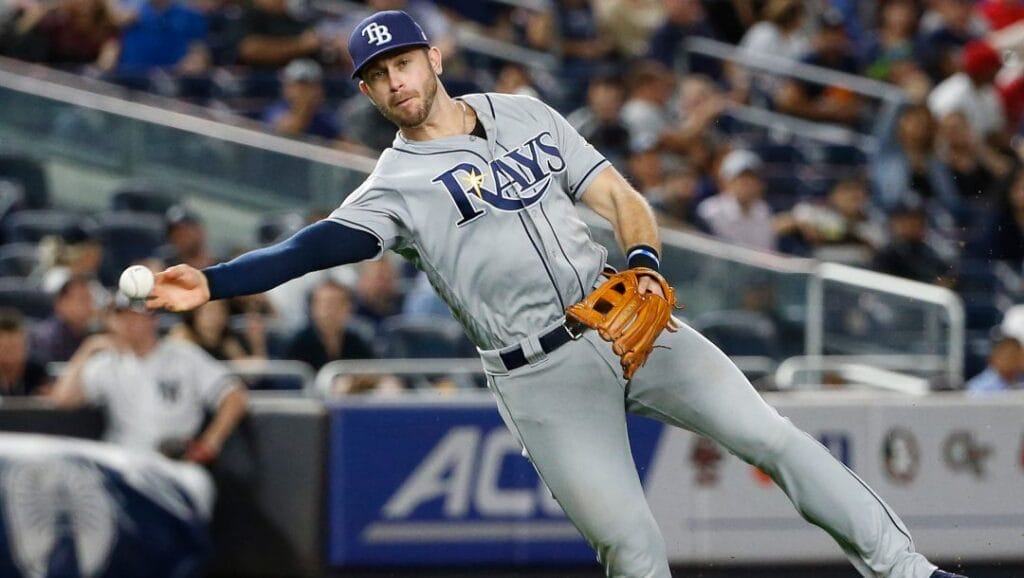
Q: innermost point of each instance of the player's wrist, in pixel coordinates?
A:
(643, 256)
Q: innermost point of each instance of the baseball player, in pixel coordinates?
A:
(480, 193)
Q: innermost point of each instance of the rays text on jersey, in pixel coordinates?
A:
(518, 179)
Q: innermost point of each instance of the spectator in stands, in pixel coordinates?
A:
(978, 170)
(598, 121)
(894, 36)
(629, 24)
(911, 163)
(907, 254)
(648, 119)
(779, 34)
(1005, 369)
(186, 239)
(377, 292)
(79, 250)
(1000, 14)
(945, 30)
(74, 313)
(302, 110)
(842, 228)
(583, 47)
(685, 19)
(167, 35)
(70, 32)
(813, 101)
(739, 214)
(328, 336)
(514, 78)
(971, 91)
(155, 390)
(275, 32)
(19, 375)
(1003, 237)
(209, 328)
(675, 201)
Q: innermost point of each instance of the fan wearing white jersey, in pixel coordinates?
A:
(480, 193)
(155, 391)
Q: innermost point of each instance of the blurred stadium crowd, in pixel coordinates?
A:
(940, 199)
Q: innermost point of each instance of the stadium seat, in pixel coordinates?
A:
(740, 332)
(127, 236)
(25, 296)
(418, 337)
(32, 225)
(276, 226)
(18, 259)
(29, 173)
(141, 197)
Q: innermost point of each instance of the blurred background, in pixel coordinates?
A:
(841, 189)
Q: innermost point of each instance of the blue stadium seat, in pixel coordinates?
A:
(416, 337)
(738, 332)
(31, 226)
(143, 197)
(127, 236)
(25, 296)
(18, 259)
(29, 173)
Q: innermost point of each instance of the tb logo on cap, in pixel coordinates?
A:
(377, 33)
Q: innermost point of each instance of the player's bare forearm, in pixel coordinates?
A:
(231, 411)
(612, 197)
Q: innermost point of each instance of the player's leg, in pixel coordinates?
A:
(568, 413)
(694, 385)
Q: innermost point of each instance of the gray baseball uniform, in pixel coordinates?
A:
(492, 223)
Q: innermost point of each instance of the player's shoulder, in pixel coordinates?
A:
(498, 104)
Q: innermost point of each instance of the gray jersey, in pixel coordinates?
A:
(491, 221)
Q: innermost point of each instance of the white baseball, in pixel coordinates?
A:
(136, 282)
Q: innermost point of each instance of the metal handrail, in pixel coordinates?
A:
(892, 98)
(68, 88)
(891, 378)
(789, 67)
(949, 301)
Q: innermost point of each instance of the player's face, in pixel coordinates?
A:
(403, 86)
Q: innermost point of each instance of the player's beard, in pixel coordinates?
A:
(417, 116)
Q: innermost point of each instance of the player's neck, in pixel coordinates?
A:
(448, 118)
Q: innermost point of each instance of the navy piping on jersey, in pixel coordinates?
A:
(488, 97)
(544, 262)
(574, 190)
(583, 292)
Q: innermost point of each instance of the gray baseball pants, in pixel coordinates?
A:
(568, 409)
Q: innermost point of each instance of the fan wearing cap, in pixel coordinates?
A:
(738, 213)
(813, 101)
(302, 110)
(156, 391)
(973, 93)
(57, 337)
(186, 238)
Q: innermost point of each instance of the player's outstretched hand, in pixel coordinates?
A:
(179, 288)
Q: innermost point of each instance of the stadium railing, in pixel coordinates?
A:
(889, 97)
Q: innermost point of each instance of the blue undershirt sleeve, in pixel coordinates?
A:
(319, 246)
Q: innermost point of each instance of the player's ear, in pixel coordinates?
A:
(363, 88)
(434, 56)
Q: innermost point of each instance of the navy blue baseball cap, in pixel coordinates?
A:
(380, 33)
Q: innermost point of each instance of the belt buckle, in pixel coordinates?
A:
(574, 328)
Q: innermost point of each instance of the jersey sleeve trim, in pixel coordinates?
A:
(588, 178)
(361, 227)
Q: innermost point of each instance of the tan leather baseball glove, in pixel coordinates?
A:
(630, 321)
